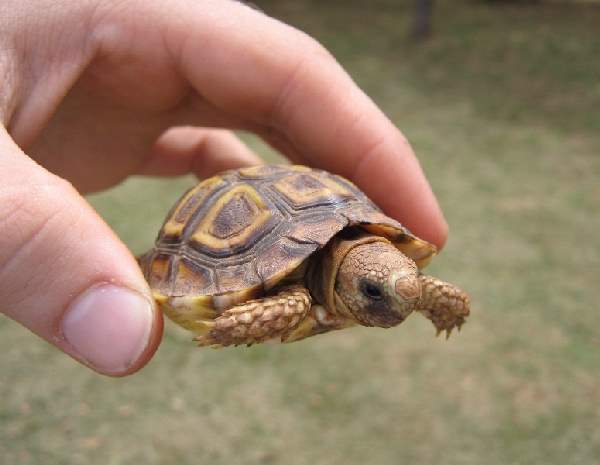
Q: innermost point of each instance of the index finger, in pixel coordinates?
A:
(285, 84)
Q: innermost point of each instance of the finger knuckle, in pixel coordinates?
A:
(31, 215)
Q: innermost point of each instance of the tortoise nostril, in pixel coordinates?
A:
(408, 288)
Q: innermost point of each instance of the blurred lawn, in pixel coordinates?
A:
(503, 108)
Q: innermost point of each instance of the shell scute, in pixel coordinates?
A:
(191, 277)
(181, 214)
(235, 221)
(280, 258)
(307, 190)
(158, 271)
(236, 277)
(316, 230)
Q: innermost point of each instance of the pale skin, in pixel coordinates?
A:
(94, 91)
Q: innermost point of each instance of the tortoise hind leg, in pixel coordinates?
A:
(444, 304)
(258, 320)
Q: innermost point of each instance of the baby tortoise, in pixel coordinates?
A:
(287, 252)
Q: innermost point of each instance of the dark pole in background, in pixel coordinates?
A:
(421, 27)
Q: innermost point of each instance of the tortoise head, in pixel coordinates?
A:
(378, 284)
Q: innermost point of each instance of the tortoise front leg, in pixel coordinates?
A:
(444, 304)
(259, 320)
(317, 321)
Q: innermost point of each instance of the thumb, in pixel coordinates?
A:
(65, 275)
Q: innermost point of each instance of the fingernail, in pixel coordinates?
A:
(108, 327)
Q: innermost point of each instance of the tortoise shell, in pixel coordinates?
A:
(236, 235)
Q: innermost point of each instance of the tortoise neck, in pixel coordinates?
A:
(324, 266)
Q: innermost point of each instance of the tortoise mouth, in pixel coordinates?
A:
(380, 316)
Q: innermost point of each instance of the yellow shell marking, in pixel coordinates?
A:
(301, 168)
(303, 188)
(206, 232)
(174, 226)
(253, 170)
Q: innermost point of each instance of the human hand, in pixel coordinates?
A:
(94, 91)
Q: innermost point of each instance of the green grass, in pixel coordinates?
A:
(502, 106)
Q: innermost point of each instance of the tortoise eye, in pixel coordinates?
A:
(372, 291)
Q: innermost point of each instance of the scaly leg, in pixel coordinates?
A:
(258, 320)
(318, 321)
(444, 304)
